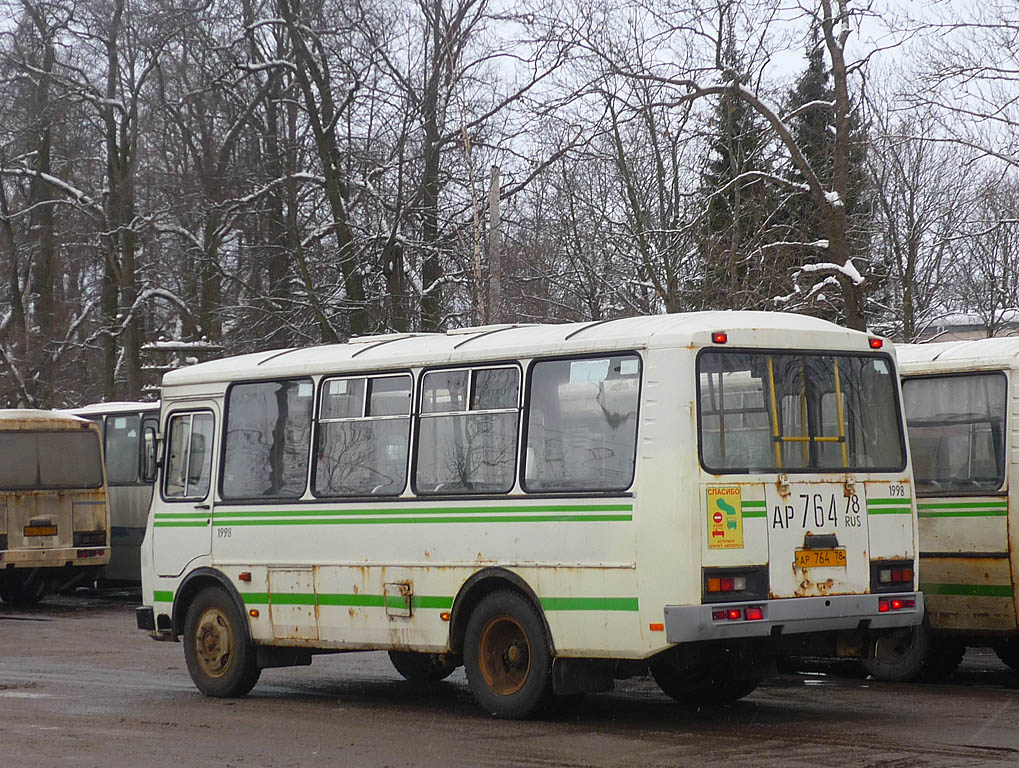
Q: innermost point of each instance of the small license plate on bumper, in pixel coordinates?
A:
(40, 530)
(820, 558)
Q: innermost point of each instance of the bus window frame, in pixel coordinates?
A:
(417, 414)
(221, 464)
(1002, 487)
(317, 420)
(166, 455)
(525, 420)
(873, 355)
(138, 466)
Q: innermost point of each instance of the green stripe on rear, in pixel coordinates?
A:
(968, 590)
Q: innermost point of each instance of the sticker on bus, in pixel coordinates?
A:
(725, 518)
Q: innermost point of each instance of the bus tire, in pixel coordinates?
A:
(710, 684)
(1008, 652)
(506, 656)
(424, 667)
(23, 590)
(914, 654)
(219, 656)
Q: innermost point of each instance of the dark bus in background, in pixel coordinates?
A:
(122, 426)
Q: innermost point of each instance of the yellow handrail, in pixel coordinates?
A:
(841, 416)
(776, 437)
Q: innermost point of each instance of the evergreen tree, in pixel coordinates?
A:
(737, 206)
(813, 128)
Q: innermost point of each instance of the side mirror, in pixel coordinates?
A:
(150, 457)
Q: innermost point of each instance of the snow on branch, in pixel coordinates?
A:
(847, 270)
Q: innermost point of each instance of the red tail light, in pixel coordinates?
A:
(719, 337)
(877, 343)
(754, 613)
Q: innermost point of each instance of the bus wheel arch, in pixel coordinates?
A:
(476, 589)
(195, 582)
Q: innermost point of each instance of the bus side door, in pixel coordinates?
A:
(182, 523)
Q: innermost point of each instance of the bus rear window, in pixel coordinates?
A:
(47, 460)
(807, 412)
(956, 435)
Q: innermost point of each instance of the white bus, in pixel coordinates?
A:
(54, 519)
(964, 440)
(551, 506)
(122, 425)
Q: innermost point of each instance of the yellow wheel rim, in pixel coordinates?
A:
(504, 655)
(214, 642)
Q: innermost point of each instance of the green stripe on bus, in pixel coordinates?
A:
(230, 521)
(1003, 504)
(181, 515)
(423, 510)
(162, 596)
(892, 502)
(963, 513)
(755, 504)
(907, 510)
(589, 603)
(182, 524)
(747, 513)
(968, 590)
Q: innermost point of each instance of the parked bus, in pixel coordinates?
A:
(121, 425)
(553, 507)
(963, 438)
(54, 518)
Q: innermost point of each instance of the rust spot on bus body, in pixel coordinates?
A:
(808, 588)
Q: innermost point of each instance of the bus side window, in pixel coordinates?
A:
(189, 460)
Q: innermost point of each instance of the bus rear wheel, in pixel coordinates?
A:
(23, 589)
(714, 683)
(507, 657)
(219, 656)
(913, 654)
(1008, 652)
(424, 667)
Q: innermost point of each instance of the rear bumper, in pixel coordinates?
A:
(55, 558)
(691, 623)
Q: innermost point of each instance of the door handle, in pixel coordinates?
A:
(201, 506)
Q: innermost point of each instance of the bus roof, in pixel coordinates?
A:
(12, 419)
(113, 407)
(1003, 351)
(494, 342)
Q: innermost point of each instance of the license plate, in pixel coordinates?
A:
(820, 558)
(40, 530)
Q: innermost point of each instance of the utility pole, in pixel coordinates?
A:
(494, 250)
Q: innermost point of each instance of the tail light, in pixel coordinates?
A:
(727, 585)
(889, 576)
(748, 613)
(889, 604)
(89, 538)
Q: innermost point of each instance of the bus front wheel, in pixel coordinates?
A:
(506, 656)
(219, 656)
(424, 667)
